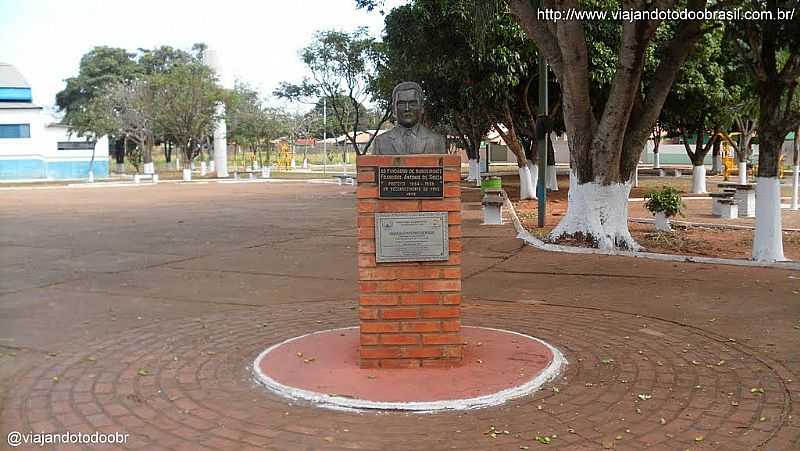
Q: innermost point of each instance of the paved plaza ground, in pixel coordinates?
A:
(139, 309)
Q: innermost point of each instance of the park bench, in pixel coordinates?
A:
(345, 178)
(137, 178)
(251, 174)
(716, 201)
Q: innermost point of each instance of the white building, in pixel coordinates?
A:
(33, 146)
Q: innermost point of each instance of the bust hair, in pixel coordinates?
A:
(408, 86)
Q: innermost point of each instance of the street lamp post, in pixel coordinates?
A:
(542, 130)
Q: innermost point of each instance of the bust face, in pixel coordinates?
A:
(408, 108)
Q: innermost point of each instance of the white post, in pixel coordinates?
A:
(203, 168)
(212, 166)
(220, 129)
(742, 172)
(187, 175)
(795, 177)
(91, 176)
(149, 168)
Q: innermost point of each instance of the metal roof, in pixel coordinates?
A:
(10, 77)
(18, 106)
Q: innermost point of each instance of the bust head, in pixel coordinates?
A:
(407, 103)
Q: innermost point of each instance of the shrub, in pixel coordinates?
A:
(666, 200)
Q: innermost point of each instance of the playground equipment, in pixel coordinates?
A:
(731, 164)
(284, 155)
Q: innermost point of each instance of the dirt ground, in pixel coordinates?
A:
(705, 239)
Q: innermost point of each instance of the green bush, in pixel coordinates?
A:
(666, 200)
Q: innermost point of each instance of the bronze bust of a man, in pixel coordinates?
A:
(409, 136)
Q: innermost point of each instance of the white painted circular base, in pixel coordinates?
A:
(334, 402)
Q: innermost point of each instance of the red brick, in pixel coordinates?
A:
(451, 299)
(366, 233)
(421, 326)
(441, 285)
(452, 175)
(422, 353)
(452, 191)
(440, 205)
(366, 261)
(365, 221)
(368, 287)
(367, 192)
(453, 351)
(370, 327)
(364, 161)
(455, 245)
(379, 299)
(398, 286)
(421, 299)
(423, 272)
(368, 313)
(396, 206)
(380, 353)
(400, 313)
(366, 246)
(367, 206)
(401, 339)
(422, 161)
(366, 176)
(453, 325)
(442, 339)
(400, 363)
(440, 312)
(454, 217)
(370, 339)
(452, 160)
(450, 273)
(454, 231)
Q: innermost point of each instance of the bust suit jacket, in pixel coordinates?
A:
(427, 141)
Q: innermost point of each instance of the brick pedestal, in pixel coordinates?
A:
(410, 312)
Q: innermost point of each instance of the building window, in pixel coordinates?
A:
(15, 130)
(76, 145)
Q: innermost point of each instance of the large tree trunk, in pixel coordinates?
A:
(147, 156)
(605, 150)
(697, 158)
(795, 168)
(716, 157)
(768, 237)
(526, 188)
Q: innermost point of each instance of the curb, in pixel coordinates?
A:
(529, 239)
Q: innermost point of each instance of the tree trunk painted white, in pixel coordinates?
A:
(716, 164)
(305, 163)
(795, 178)
(187, 175)
(178, 163)
(474, 170)
(191, 165)
(636, 176)
(768, 239)
(552, 180)
(203, 168)
(294, 165)
(533, 168)
(662, 222)
(91, 176)
(743, 172)
(525, 188)
(597, 212)
(656, 160)
(699, 180)
(149, 168)
(265, 170)
(120, 168)
(212, 166)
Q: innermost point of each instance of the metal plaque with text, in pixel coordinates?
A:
(410, 182)
(411, 237)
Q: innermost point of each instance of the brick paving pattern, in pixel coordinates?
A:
(632, 382)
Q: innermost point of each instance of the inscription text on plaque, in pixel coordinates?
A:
(409, 237)
(410, 182)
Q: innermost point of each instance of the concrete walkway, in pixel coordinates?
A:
(138, 311)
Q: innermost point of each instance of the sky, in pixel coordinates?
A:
(257, 41)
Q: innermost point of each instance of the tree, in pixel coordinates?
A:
(99, 69)
(185, 97)
(341, 65)
(771, 49)
(132, 109)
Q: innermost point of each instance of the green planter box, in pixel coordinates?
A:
(491, 183)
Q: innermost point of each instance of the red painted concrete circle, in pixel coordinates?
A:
(327, 363)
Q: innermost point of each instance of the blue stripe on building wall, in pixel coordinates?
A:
(56, 170)
(16, 94)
